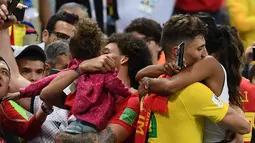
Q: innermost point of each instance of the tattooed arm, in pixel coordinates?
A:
(106, 136)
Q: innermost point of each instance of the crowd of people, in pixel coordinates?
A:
(80, 85)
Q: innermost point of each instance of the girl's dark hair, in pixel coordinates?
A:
(229, 52)
(87, 40)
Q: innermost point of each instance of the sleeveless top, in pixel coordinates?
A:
(214, 132)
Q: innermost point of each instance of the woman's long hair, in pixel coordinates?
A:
(229, 52)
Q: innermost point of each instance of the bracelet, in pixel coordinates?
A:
(147, 85)
(78, 71)
(46, 110)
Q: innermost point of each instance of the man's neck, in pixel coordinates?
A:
(124, 77)
(170, 59)
(155, 58)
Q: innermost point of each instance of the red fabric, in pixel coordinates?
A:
(246, 88)
(25, 129)
(2, 140)
(156, 103)
(143, 129)
(133, 103)
(95, 96)
(12, 36)
(199, 5)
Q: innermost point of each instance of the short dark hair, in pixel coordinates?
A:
(63, 16)
(136, 50)
(150, 28)
(180, 28)
(2, 59)
(87, 40)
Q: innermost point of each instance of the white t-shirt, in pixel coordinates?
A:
(55, 122)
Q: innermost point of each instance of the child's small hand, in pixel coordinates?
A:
(12, 96)
(171, 69)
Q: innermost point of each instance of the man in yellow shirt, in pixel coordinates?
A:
(183, 122)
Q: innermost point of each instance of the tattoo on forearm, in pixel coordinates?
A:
(106, 136)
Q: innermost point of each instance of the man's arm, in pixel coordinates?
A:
(236, 122)
(186, 77)
(17, 81)
(152, 71)
(238, 138)
(106, 136)
(202, 102)
(44, 11)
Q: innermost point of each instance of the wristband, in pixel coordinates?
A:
(147, 85)
(46, 110)
(78, 71)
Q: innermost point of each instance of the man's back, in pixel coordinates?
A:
(184, 121)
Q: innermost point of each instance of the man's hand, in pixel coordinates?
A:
(248, 55)
(237, 139)
(12, 96)
(102, 63)
(142, 91)
(171, 69)
(6, 20)
(154, 85)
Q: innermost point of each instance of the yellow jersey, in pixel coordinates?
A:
(184, 121)
(242, 16)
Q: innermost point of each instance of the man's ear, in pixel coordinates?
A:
(175, 51)
(159, 48)
(45, 35)
(47, 69)
(123, 60)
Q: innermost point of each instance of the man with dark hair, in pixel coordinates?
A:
(31, 62)
(186, 29)
(150, 31)
(60, 26)
(192, 104)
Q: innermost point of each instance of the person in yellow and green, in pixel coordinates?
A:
(242, 16)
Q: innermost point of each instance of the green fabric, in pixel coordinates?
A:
(128, 116)
(20, 110)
